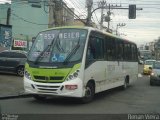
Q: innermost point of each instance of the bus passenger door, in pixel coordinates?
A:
(95, 68)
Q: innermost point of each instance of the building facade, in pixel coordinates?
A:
(27, 20)
(5, 30)
(29, 17)
(60, 14)
(3, 12)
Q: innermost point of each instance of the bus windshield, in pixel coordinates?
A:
(58, 46)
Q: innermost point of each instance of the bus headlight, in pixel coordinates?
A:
(73, 75)
(27, 75)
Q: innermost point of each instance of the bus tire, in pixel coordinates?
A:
(89, 93)
(126, 83)
(40, 98)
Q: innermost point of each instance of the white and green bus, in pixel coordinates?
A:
(79, 62)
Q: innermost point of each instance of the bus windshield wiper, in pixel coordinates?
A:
(74, 50)
(47, 48)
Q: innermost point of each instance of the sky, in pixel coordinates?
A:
(142, 30)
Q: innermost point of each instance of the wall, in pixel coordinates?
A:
(3, 12)
(27, 20)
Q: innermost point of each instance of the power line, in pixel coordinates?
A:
(75, 7)
(27, 20)
(74, 14)
(135, 3)
(81, 8)
(79, 1)
(78, 8)
(96, 17)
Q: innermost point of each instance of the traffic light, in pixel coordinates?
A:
(132, 12)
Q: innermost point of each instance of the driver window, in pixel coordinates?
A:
(95, 49)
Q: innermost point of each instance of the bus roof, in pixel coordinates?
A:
(90, 28)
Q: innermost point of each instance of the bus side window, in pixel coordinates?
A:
(110, 48)
(91, 51)
(126, 52)
(119, 50)
(95, 48)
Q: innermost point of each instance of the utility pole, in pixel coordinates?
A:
(55, 13)
(109, 14)
(58, 12)
(8, 16)
(89, 4)
(107, 18)
(102, 4)
(51, 14)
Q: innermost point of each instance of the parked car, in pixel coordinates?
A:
(155, 74)
(147, 69)
(13, 61)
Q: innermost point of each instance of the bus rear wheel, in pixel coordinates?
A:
(89, 93)
(126, 83)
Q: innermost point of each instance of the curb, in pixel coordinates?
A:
(15, 96)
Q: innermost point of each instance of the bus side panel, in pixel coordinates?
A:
(96, 72)
(114, 75)
(110, 74)
(131, 69)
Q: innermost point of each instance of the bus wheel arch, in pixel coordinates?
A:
(127, 79)
(126, 82)
(89, 91)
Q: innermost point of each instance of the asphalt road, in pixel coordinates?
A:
(139, 98)
(10, 84)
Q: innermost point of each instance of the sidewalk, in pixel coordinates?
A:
(10, 84)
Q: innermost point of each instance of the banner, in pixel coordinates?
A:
(5, 36)
(20, 43)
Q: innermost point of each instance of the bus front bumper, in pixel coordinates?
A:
(72, 88)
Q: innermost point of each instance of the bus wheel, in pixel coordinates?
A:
(126, 83)
(40, 98)
(89, 93)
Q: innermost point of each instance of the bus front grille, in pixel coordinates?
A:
(56, 78)
(47, 88)
(50, 79)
